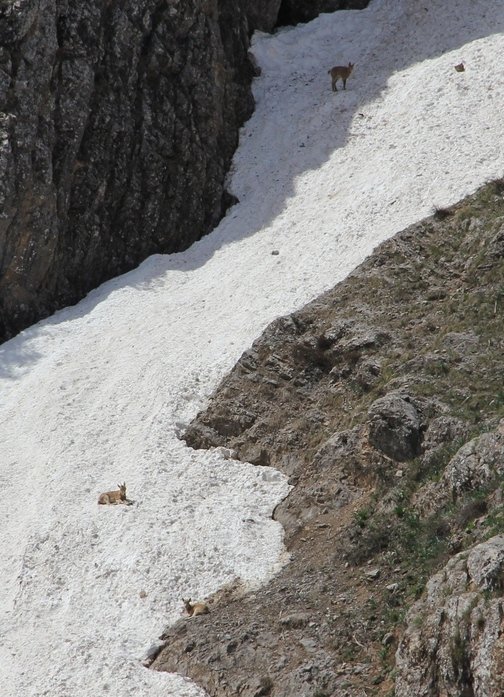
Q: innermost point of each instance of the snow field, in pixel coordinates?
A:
(99, 393)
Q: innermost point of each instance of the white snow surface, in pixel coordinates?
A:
(100, 392)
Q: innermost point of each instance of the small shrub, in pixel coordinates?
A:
(457, 652)
(442, 213)
(470, 511)
(497, 185)
(362, 516)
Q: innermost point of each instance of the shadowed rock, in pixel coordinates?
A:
(395, 426)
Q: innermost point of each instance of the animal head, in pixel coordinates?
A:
(122, 490)
(350, 67)
(187, 605)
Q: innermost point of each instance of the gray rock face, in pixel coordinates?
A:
(475, 466)
(452, 645)
(476, 463)
(442, 430)
(118, 122)
(395, 426)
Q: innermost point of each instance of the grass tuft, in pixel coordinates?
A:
(442, 213)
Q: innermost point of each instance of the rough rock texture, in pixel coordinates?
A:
(453, 644)
(365, 529)
(395, 426)
(477, 466)
(118, 123)
(479, 461)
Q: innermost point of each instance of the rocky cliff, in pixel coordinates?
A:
(383, 402)
(118, 122)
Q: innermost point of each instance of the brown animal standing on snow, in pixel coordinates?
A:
(340, 72)
(194, 609)
(114, 497)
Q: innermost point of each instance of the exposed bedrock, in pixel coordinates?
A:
(453, 641)
(118, 122)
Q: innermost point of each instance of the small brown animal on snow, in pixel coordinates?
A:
(114, 497)
(340, 72)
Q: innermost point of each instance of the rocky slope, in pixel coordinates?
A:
(118, 121)
(383, 401)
